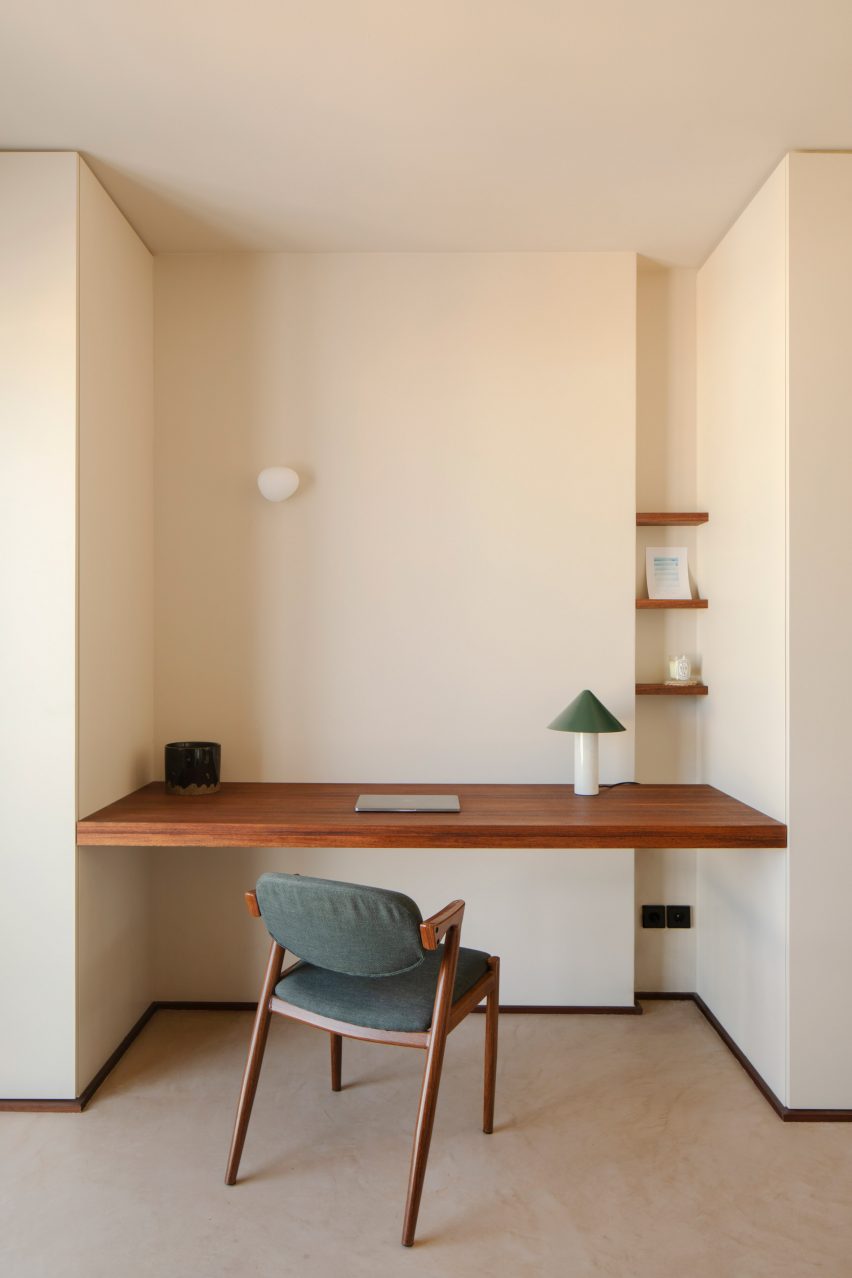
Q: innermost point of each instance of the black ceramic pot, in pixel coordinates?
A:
(192, 767)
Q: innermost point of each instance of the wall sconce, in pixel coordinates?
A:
(586, 717)
(277, 483)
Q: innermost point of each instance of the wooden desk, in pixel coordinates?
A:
(249, 814)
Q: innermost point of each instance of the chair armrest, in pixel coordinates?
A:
(252, 905)
(434, 929)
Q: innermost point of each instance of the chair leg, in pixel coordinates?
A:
(336, 1041)
(492, 1011)
(431, 1083)
(423, 1135)
(255, 1060)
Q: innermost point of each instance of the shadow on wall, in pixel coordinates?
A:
(160, 217)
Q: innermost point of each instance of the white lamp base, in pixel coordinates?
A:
(585, 763)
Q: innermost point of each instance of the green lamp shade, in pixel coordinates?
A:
(586, 714)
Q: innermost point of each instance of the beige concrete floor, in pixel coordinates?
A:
(624, 1146)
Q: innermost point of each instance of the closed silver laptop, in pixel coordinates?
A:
(408, 803)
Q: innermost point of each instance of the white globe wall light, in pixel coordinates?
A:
(277, 483)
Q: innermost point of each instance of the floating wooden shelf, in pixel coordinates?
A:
(675, 519)
(671, 603)
(666, 690)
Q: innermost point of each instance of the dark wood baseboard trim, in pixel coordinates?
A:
(555, 1009)
(648, 996)
(784, 1112)
(567, 1009)
(737, 1052)
(76, 1104)
(110, 1063)
(72, 1106)
(202, 1005)
(816, 1115)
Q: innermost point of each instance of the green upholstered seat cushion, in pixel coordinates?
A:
(402, 1002)
(344, 927)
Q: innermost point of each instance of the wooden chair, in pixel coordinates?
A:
(370, 968)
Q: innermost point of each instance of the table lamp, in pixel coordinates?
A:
(586, 717)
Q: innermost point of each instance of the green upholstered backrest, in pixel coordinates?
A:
(344, 927)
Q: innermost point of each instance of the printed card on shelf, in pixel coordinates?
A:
(667, 572)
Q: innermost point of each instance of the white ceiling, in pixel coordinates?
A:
(436, 125)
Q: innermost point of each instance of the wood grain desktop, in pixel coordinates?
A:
(267, 814)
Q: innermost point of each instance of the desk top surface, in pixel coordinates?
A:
(267, 814)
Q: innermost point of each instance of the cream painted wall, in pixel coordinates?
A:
(820, 706)
(38, 388)
(116, 496)
(455, 567)
(666, 455)
(742, 895)
(116, 614)
(560, 921)
(666, 728)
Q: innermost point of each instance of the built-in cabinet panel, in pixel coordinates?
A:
(76, 311)
(116, 502)
(116, 613)
(38, 502)
(742, 899)
(820, 569)
(774, 331)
